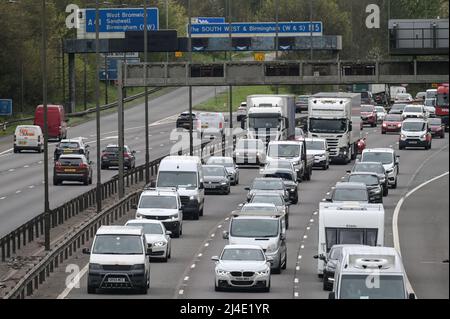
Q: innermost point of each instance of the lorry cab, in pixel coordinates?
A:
(370, 273)
(264, 228)
(56, 119)
(186, 175)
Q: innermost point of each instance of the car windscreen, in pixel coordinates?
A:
(350, 194)
(413, 126)
(363, 167)
(327, 126)
(356, 287)
(224, 161)
(241, 254)
(266, 199)
(315, 145)
(369, 180)
(27, 131)
(263, 122)
(213, 171)
(267, 184)
(367, 108)
(379, 109)
(149, 228)
(336, 253)
(435, 121)
(380, 157)
(162, 202)
(398, 107)
(283, 175)
(413, 109)
(251, 208)
(70, 161)
(393, 118)
(112, 149)
(254, 228)
(174, 179)
(69, 145)
(118, 245)
(430, 102)
(280, 150)
(250, 145)
(303, 99)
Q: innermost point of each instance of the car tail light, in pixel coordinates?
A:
(399, 125)
(220, 125)
(384, 124)
(58, 164)
(82, 165)
(126, 155)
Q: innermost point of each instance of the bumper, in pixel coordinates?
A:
(293, 194)
(171, 225)
(191, 207)
(217, 188)
(391, 129)
(437, 133)
(71, 177)
(369, 120)
(27, 147)
(159, 252)
(108, 162)
(376, 198)
(413, 143)
(117, 280)
(320, 162)
(253, 282)
(276, 259)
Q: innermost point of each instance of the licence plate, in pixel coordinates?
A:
(209, 186)
(205, 126)
(70, 170)
(116, 280)
(68, 151)
(412, 142)
(242, 279)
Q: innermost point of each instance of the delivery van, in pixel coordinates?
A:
(28, 137)
(56, 119)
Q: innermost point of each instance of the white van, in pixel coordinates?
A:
(263, 228)
(211, 125)
(370, 273)
(28, 137)
(119, 259)
(186, 175)
(349, 223)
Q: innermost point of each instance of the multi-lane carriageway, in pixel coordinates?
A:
(418, 209)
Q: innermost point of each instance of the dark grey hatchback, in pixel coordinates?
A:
(110, 157)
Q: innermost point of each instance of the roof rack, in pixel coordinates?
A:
(368, 261)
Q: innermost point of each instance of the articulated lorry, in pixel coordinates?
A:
(335, 116)
(271, 117)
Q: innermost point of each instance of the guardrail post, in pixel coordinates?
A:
(30, 232)
(3, 250)
(13, 239)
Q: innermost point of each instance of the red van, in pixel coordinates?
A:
(56, 119)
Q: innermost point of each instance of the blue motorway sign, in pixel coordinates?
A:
(6, 107)
(256, 29)
(121, 20)
(203, 20)
(111, 67)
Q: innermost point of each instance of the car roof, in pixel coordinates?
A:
(260, 205)
(221, 157)
(71, 140)
(119, 230)
(267, 194)
(144, 221)
(212, 166)
(369, 163)
(285, 143)
(352, 185)
(156, 192)
(315, 139)
(414, 120)
(241, 246)
(381, 149)
(268, 179)
(363, 173)
(276, 170)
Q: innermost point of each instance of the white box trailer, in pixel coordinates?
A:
(349, 223)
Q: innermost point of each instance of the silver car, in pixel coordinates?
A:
(242, 266)
(272, 198)
(156, 236)
(230, 166)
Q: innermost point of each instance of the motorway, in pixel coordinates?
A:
(423, 236)
(21, 175)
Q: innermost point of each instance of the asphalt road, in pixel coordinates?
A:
(21, 175)
(423, 235)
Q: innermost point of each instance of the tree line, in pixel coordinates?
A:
(20, 35)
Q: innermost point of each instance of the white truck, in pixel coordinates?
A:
(394, 90)
(349, 223)
(370, 273)
(271, 117)
(336, 117)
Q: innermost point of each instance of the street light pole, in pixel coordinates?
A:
(44, 100)
(191, 124)
(311, 27)
(147, 149)
(97, 109)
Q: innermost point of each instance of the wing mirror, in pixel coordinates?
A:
(86, 251)
(168, 232)
(332, 295)
(283, 236)
(269, 258)
(215, 258)
(225, 235)
(202, 186)
(411, 296)
(247, 188)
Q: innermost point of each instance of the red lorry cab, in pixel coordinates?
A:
(56, 119)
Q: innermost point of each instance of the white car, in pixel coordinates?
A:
(242, 266)
(157, 237)
(381, 113)
(414, 111)
(388, 158)
(318, 148)
(403, 98)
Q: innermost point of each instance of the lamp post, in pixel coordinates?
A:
(97, 109)
(147, 149)
(191, 137)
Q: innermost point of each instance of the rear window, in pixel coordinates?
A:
(112, 149)
(70, 161)
(69, 145)
(26, 131)
(393, 118)
(367, 108)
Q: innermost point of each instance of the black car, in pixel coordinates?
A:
(183, 120)
(71, 146)
(216, 179)
(289, 180)
(302, 103)
(348, 192)
(110, 157)
(373, 184)
(373, 167)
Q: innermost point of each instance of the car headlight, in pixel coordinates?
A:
(403, 137)
(330, 267)
(263, 272)
(160, 243)
(223, 183)
(139, 267)
(272, 248)
(95, 267)
(389, 171)
(139, 216)
(295, 163)
(221, 272)
(193, 197)
(423, 137)
(174, 216)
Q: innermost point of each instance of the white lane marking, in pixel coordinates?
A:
(395, 219)
(11, 170)
(302, 246)
(296, 280)
(299, 256)
(31, 186)
(305, 236)
(220, 226)
(206, 245)
(40, 162)
(181, 292)
(186, 278)
(297, 268)
(295, 294)
(308, 228)
(18, 192)
(200, 255)
(213, 235)
(161, 145)
(193, 266)
(315, 213)
(311, 220)
(2, 198)
(7, 151)
(68, 289)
